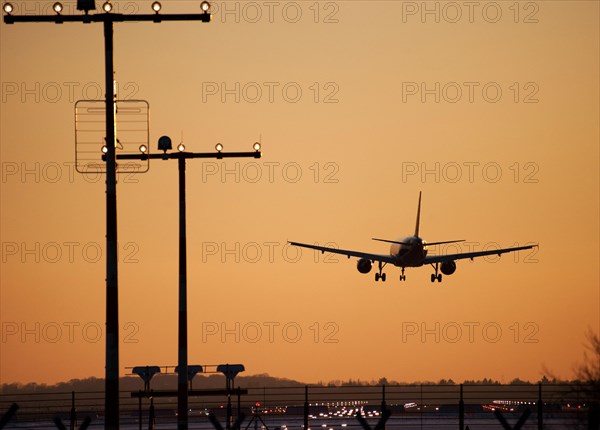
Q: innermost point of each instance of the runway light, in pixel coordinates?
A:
(104, 149)
(8, 8)
(58, 7)
(256, 146)
(143, 149)
(181, 147)
(107, 7)
(219, 147)
(205, 6)
(156, 6)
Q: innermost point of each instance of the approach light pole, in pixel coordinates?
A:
(165, 145)
(107, 18)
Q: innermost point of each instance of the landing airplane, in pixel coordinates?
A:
(410, 251)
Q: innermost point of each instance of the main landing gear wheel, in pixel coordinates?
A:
(380, 275)
(435, 275)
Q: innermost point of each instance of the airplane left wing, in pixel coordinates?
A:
(373, 257)
(441, 258)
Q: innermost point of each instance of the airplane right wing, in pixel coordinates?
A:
(431, 259)
(373, 257)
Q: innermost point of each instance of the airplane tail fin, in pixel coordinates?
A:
(418, 216)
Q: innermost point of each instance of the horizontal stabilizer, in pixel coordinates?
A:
(391, 241)
(447, 241)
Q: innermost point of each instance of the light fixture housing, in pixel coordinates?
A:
(165, 144)
(86, 5)
(156, 6)
(256, 146)
(8, 8)
(218, 147)
(104, 149)
(205, 6)
(143, 149)
(146, 373)
(230, 370)
(57, 7)
(181, 147)
(107, 7)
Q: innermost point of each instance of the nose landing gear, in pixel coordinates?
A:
(402, 276)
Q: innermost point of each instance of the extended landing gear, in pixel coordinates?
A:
(380, 275)
(436, 276)
(403, 276)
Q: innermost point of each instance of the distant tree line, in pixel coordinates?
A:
(587, 374)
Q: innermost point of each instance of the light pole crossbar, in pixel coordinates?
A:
(110, 17)
(176, 155)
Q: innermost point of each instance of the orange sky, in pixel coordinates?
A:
(335, 89)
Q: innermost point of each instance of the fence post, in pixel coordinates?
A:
(229, 413)
(306, 407)
(140, 408)
(383, 408)
(594, 416)
(239, 405)
(151, 416)
(461, 410)
(73, 425)
(540, 409)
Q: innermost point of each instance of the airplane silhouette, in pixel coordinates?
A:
(410, 251)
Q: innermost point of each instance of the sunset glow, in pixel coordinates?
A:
(490, 109)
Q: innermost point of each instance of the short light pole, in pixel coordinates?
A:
(165, 145)
(108, 18)
(146, 373)
(230, 371)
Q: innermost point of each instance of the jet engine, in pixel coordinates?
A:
(364, 265)
(448, 267)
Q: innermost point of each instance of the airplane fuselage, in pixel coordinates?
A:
(410, 253)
